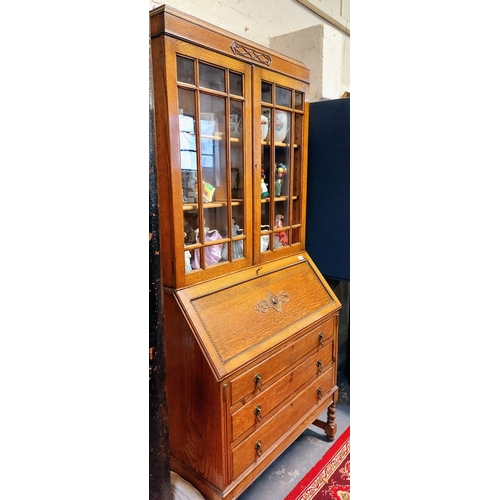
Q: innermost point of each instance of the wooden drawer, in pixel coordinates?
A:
(263, 439)
(255, 413)
(263, 373)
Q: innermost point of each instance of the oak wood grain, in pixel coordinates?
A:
(253, 331)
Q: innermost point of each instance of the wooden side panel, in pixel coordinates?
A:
(164, 170)
(197, 431)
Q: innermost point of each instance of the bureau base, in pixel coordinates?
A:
(239, 485)
(240, 392)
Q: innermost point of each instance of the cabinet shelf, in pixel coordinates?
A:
(187, 207)
(239, 140)
(219, 137)
(279, 198)
(279, 144)
(212, 137)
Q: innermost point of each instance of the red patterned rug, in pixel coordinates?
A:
(330, 478)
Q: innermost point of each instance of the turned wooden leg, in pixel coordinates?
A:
(330, 426)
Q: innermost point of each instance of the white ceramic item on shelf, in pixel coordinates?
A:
(264, 239)
(264, 126)
(281, 126)
(235, 126)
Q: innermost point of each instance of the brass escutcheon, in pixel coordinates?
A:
(258, 412)
(258, 381)
(319, 364)
(319, 393)
(258, 447)
(320, 338)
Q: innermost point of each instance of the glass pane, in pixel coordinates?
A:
(299, 100)
(236, 171)
(212, 116)
(214, 226)
(236, 175)
(283, 97)
(266, 175)
(297, 233)
(281, 182)
(213, 149)
(281, 178)
(265, 119)
(190, 226)
(266, 90)
(235, 83)
(280, 237)
(215, 219)
(185, 70)
(265, 227)
(189, 186)
(236, 249)
(211, 77)
(281, 193)
(281, 122)
(281, 126)
(187, 144)
(236, 121)
(297, 156)
(237, 185)
(190, 236)
(237, 233)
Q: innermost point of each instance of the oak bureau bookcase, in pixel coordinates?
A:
(250, 324)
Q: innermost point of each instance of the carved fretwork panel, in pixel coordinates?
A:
(241, 50)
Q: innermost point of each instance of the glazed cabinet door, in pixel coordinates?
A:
(209, 103)
(280, 152)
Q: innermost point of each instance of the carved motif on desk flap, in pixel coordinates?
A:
(272, 301)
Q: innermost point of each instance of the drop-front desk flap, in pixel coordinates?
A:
(242, 315)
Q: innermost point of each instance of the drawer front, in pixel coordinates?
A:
(257, 411)
(257, 378)
(257, 444)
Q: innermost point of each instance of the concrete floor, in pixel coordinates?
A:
(293, 464)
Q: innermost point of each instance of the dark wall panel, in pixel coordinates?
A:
(328, 192)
